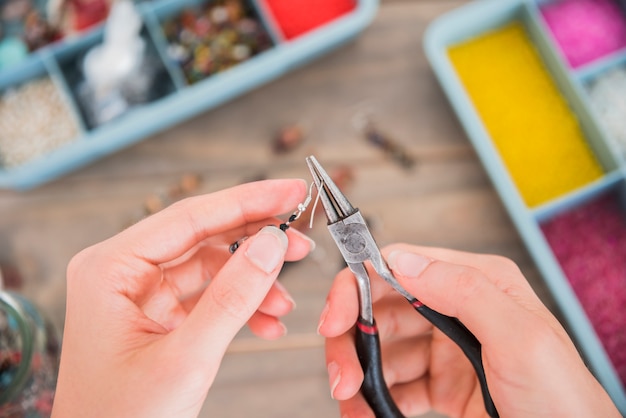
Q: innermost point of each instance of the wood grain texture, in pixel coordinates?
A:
(447, 200)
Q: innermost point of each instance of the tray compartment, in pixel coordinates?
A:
(295, 18)
(589, 243)
(585, 31)
(606, 92)
(205, 37)
(36, 116)
(157, 83)
(527, 109)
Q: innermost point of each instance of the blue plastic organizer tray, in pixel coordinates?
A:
(178, 100)
(482, 17)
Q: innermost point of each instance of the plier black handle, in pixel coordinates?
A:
(356, 244)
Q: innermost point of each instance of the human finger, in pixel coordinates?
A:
(300, 245)
(499, 270)
(341, 309)
(342, 306)
(412, 398)
(234, 294)
(344, 370)
(403, 361)
(355, 407)
(342, 303)
(463, 292)
(278, 301)
(406, 360)
(396, 319)
(194, 219)
(451, 377)
(191, 276)
(193, 271)
(266, 326)
(164, 307)
(171, 232)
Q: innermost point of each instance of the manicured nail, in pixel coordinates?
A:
(323, 317)
(334, 377)
(407, 264)
(267, 249)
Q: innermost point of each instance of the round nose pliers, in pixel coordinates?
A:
(356, 244)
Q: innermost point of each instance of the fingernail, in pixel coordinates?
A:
(267, 249)
(284, 329)
(285, 294)
(312, 244)
(323, 317)
(306, 237)
(334, 377)
(407, 264)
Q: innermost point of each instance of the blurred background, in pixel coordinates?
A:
(370, 109)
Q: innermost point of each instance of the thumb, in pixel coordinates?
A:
(460, 291)
(235, 293)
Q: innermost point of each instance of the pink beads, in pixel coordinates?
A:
(590, 244)
(586, 29)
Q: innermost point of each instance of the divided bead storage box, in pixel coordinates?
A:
(536, 86)
(47, 128)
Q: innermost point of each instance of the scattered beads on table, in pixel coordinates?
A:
(589, 242)
(288, 138)
(214, 38)
(607, 95)
(586, 30)
(396, 151)
(34, 120)
(537, 135)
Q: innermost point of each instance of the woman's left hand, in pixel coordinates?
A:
(152, 310)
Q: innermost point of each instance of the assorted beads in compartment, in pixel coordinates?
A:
(537, 135)
(297, 17)
(586, 30)
(34, 120)
(607, 95)
(214, 38)
(589, 243)
(121, 72)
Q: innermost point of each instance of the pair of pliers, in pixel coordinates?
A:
(356, 244)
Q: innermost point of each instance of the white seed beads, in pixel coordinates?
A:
(34, 120)
(608, 98)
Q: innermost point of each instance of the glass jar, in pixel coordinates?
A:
(29, 358)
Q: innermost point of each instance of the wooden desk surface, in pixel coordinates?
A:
(447, 200)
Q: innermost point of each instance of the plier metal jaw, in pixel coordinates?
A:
(357, 245)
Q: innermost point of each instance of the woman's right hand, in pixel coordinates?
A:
(533, 369)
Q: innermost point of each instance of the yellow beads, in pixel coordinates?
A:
(536, 133)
